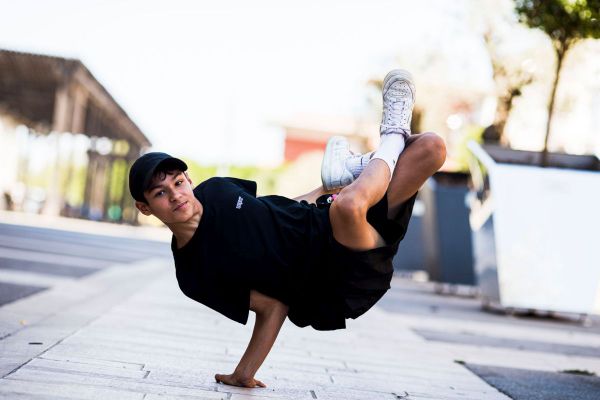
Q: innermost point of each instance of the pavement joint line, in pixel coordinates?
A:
(374, 359)
(81, 373)
(24, 255)
(142, 366)
(509, 331)
(32, 278)
(152, 263)
(83, 385)
(94, 257)
(65, 285)
(130, 384)
(73, 225)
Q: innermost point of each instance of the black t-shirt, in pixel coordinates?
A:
(273, 244)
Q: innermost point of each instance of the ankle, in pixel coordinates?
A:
(357, 164)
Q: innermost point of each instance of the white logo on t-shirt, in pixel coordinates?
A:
(239, 202)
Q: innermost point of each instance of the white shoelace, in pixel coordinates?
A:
(397, 108)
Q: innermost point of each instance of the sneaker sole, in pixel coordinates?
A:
(326, 164)
(396, 75)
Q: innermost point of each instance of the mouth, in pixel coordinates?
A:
(180, 206)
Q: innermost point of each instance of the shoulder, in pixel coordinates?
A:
(219, 183)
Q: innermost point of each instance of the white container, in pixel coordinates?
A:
(536, 235)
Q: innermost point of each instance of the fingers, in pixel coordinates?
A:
(260, 384)
(254, 384)
(227, 379)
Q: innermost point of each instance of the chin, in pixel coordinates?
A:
(181, 217)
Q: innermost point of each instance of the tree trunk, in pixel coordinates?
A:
(561, 50)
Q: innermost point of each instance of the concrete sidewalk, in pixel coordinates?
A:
(129, 333)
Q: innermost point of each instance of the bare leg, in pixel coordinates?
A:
(414, 168)
(348, 213)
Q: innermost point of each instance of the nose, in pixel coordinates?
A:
(175, 196)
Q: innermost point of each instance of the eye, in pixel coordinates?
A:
(159, 193)
(179, 182)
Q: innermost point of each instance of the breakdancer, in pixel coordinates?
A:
(317, 259)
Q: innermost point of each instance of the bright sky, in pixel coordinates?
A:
(206, 80)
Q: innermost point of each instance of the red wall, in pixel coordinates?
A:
(295, 147)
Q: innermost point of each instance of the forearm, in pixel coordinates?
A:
(312, 196)
(266, 329)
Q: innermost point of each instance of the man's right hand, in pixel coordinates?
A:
(270, 315)
(236, 380)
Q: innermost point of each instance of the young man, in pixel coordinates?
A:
(317, 259)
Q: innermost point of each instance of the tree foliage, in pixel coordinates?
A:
(565, 22)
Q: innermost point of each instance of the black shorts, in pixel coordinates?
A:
(366, 275)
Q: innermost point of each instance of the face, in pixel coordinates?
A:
(171, 199)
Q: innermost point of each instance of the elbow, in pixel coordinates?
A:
(283, 308)
(275, 310)
(278, 308)
(265, 305)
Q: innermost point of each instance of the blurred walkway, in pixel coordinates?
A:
(128, 333)
(35, 255)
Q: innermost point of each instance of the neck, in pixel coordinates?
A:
(183, 231)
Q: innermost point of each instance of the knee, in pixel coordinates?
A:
(434, 149)
(350, 206)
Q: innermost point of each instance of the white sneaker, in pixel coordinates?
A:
(334, 174)
(398, 102)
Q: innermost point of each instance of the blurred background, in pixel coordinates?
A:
(255, 89)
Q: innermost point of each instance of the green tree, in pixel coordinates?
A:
(566, 22)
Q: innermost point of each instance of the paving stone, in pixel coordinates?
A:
(291, 377)
(332, 393)
(29, 396)
(514, 344)
(410, 384)
(94, 362)
(522, 384)
(130, 339)
(84, 368)
(202, 395)
(450, 373)
(10, 387)
(11, 290)
(67, 260)
(269, 392)
(103, 381)
(51, 326)
(154, 342)
(84, 294)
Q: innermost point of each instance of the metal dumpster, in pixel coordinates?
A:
(536, 231)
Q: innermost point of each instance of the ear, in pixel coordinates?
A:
(143, 207)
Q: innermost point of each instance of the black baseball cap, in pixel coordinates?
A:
(143, 168)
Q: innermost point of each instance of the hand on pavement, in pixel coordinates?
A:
(235, 380)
